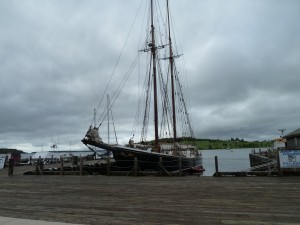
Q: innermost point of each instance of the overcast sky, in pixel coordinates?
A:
(242, 62)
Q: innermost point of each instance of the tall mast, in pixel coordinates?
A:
(153, 52)
(171, 60)
(108, 110)
(94, 117)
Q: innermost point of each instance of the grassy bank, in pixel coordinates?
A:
(232, 144)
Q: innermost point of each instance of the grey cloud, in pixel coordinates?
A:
(241, 57)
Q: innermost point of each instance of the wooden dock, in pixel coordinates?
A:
(152, 200)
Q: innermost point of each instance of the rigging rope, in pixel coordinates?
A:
(117, 62)
(118, 91)
(147, 105)
(114, 125)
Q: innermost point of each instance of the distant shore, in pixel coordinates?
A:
(210, 144)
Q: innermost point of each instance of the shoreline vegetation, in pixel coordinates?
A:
(211, 144)
(233, 143)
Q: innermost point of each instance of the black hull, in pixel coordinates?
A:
(147, 161)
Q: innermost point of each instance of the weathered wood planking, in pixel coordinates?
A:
(152, 200)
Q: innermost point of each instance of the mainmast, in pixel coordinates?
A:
(153, 52)
(171, 60)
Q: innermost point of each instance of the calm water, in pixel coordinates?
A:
(229, 160)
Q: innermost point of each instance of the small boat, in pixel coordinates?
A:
(175, 152)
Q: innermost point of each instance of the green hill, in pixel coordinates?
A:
(232, 144)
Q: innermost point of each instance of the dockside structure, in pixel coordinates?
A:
(293, 140)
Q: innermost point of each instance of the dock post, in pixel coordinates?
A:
(280, 173)
(135, 166)
(160, 166)
(61, 165)
(217, 167)
(180, 166)
(108, 166)
(11, 163)
(39, 166)
(81, 164)
(74, 160)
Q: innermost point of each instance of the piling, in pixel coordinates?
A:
(280, 173)
(74, 160)
(160, 166)
(135, 166)
(162, 169)
(11, 167)
(39, 166)
(217, 174)
(61, 165)
(180, 166)
(108, 166)
(81, 165)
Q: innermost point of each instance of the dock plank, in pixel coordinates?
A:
(152, 200)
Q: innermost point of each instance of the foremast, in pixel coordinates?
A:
(153, 52)
(171, 61)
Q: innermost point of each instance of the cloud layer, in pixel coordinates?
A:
(241, 58)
